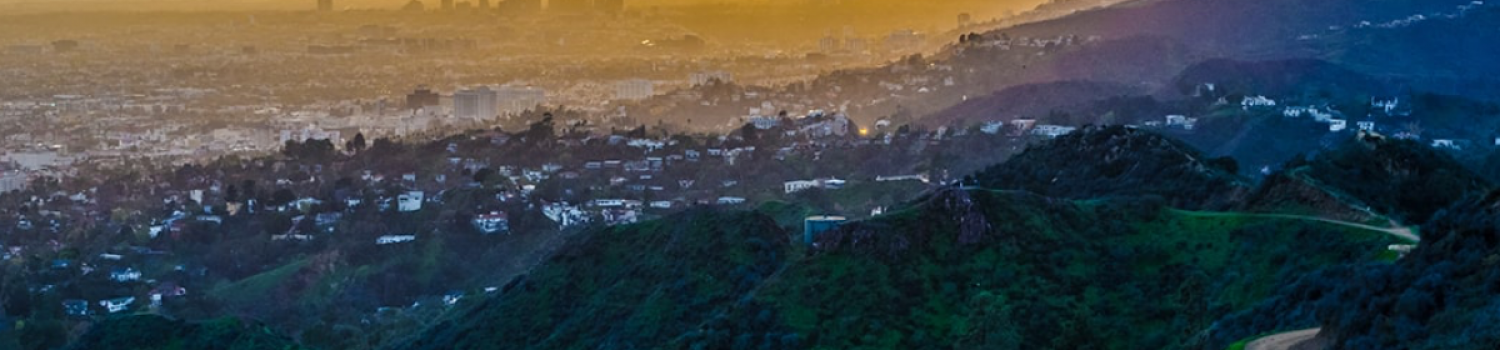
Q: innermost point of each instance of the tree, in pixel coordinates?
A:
(282, 197)
(357, 144)
(483, 174)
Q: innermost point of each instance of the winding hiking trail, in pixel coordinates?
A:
(1402, 232)
(1290, 340)
(1283, 341)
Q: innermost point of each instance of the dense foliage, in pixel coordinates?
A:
(1400, 177)
(1441, 296)
(635, 286)
(158, 333)
(960, 268)
(1118, 161)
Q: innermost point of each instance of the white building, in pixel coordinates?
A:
(634, 89)
(117, 304)
(802, 185)
(410, 201)
(13, 181)
(493, 222)
(393, 239)
(124, 275)
(1337, 125)
(480, 103)
(731, 200)
(1257, 101)
(1052, 130)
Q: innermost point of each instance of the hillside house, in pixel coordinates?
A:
(394, 239)
(1366, 125)
(615, 216)
(124, 274)
(1053, 131)
(1256, 102)
(731, 200)
(494, 222)
(117, 304)
(410, 201)
(1387, 105)
(76, 307)
(802, 185)
(1337, 125)
(167, 289)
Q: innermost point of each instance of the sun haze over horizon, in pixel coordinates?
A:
(246, 5)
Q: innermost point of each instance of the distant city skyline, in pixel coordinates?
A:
(237, 5)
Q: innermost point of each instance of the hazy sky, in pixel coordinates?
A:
(297, 4)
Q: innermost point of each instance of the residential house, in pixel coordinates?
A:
(1337, 125)
(410, 201)
(615, 216)
(991, 127)
(393, 239)
(117, 304)
(918, 177)
(731, 200)
(801, 185)
(1052, 130)
(76, 307)
(327, 221)
(1257, 101)
(168, 289)
(125, 274)
(494, 222)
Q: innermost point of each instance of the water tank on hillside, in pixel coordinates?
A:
(815, 225)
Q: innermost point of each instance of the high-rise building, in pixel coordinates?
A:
(325, 5)
(423, 97)
(479, 103)
(634, 89)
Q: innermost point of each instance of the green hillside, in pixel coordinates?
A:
(965, 269)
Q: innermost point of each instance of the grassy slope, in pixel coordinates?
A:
(1141, 282)
(1044, 273)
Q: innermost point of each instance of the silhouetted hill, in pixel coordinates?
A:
(1400, 178)
(1116, 161)
(1279, 78)
(1024, 101)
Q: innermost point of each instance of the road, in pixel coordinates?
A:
(1283, 341)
